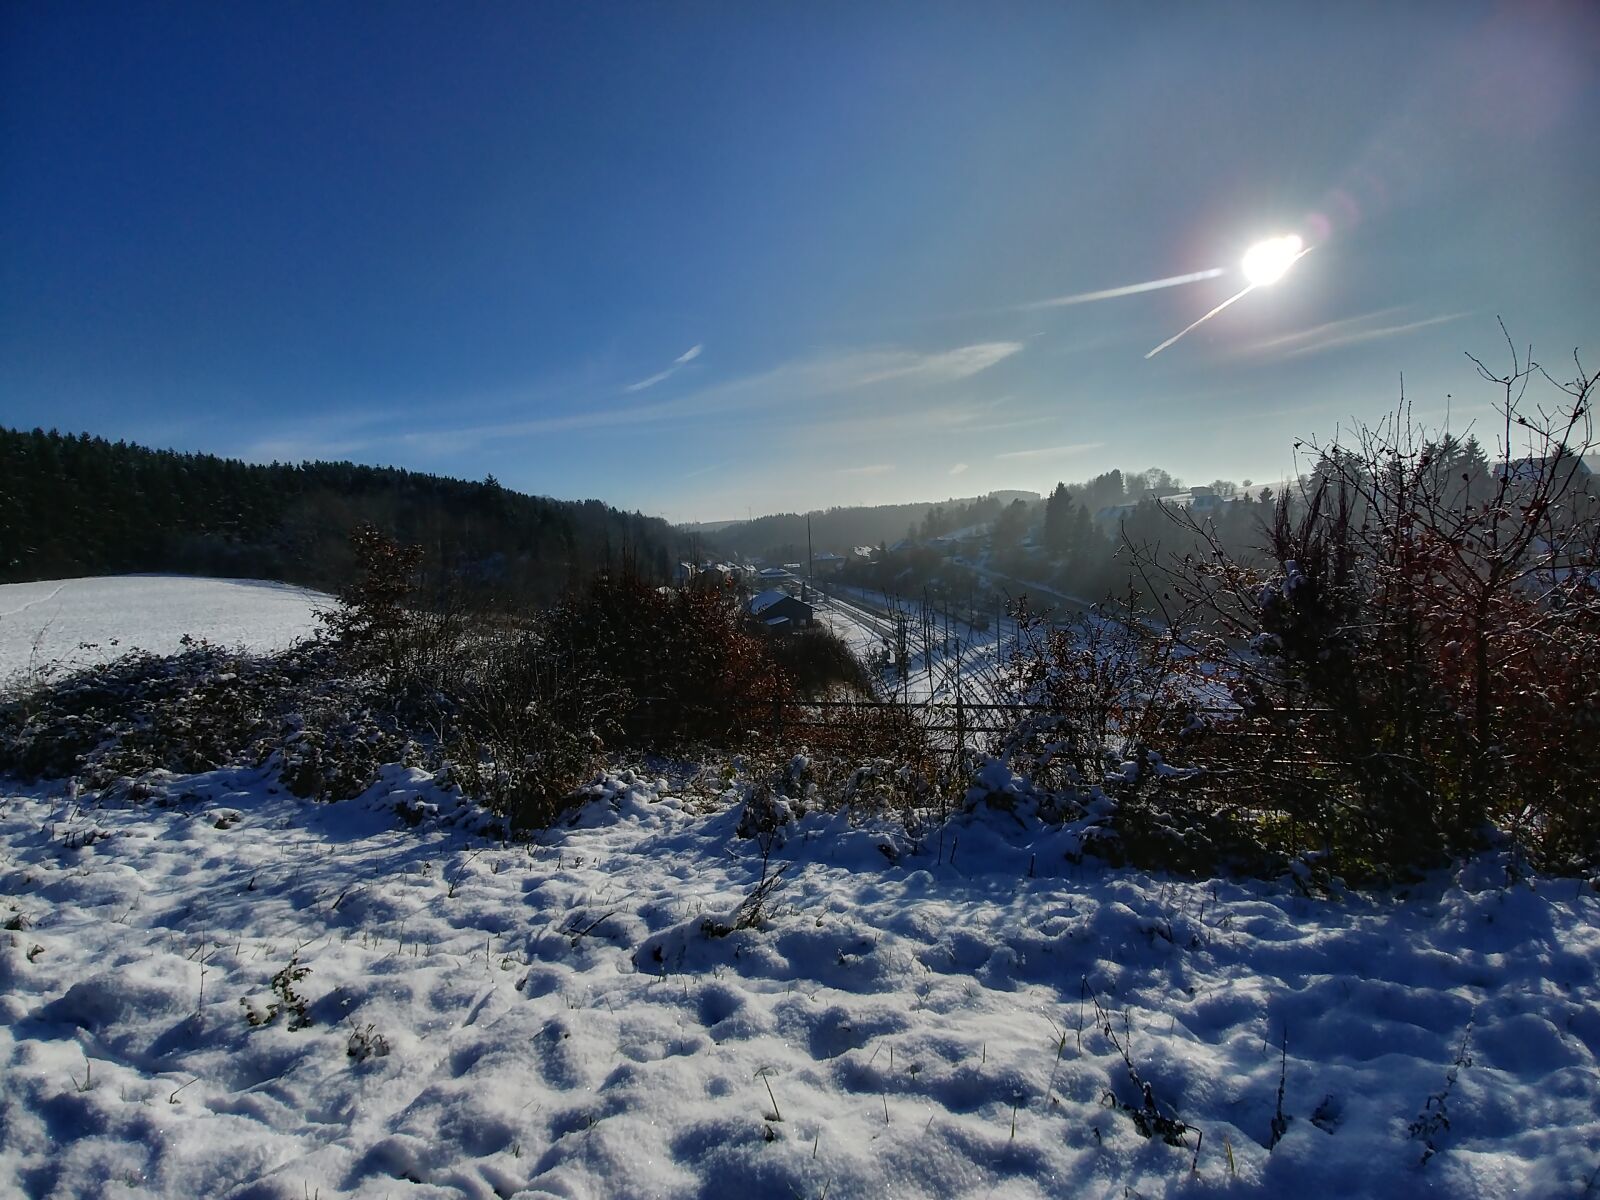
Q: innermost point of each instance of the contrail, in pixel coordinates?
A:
(1133, 289)
(1237, 295)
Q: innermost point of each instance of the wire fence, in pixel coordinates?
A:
(1282, 765)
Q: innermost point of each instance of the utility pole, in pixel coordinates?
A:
(961, 709)
(810, 568)
(927, 635)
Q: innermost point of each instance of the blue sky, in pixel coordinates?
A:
(703, 259)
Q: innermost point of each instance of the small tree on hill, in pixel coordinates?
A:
(384, 622)
(371, 617)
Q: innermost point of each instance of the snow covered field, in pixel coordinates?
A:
(45, 626)
(458, 1017)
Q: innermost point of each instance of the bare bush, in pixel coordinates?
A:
(526, 725)
(1107, 687)
(1432, 623)
(880, 759)
(1116, 715)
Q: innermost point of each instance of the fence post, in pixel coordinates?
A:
(961, 729)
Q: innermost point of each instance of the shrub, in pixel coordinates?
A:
(526, 725)
(1110, 739)
(383, 624)
(820, 664)
(880, 759)
(689, 668)
(208, 707)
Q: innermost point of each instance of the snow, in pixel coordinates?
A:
(64, 623)
(224, 991)
(569, 1019)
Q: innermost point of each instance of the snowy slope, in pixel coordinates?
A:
(556, 1020)
(45, 626)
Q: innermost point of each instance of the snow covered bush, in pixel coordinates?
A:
(193, 711)
(519, 712)
(879, 760)
(1108, 741)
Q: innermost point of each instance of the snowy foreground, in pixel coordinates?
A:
(224, 991)
(49, 627)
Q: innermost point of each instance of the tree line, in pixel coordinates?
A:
(782, 537)
(82, 505)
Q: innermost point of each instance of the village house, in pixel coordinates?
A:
(1201, 499)
(773, 577)
(1529, 470)
(779, 611)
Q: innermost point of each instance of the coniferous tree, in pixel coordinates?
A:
(80, 505)
(1058, 528)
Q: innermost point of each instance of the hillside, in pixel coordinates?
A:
(81, 505)
(783, 535)
(58, 625)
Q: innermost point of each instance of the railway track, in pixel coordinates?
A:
(977, 686)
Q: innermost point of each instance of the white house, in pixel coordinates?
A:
(1527, 470)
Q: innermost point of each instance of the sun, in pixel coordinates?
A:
(1264, 263)
(1268, 261)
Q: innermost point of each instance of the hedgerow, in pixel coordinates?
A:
(516, 711)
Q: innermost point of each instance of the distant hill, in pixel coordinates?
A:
(81, 505)
(1006, 497)
(707, 526)
(782, 536)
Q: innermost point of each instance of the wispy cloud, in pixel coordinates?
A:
(1052, 451)
(893, 420)
(699, 471)
(958, 468)
(870, 469)
(1351, 331)
(688, 356)
(942, 367)
(801, 386)
(651, 381)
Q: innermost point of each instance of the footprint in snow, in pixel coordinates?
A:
(1329, 1115)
